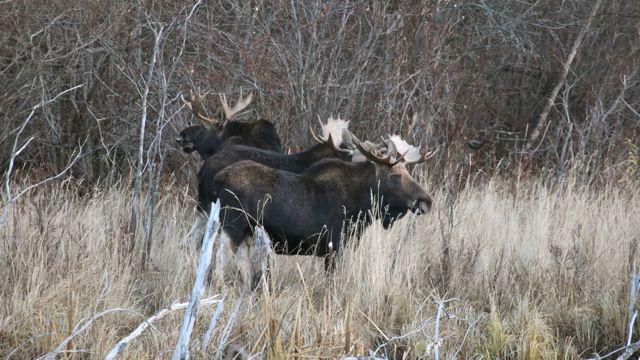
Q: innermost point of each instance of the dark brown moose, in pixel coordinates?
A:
(304, 213)
(329, 145)
(212, 135)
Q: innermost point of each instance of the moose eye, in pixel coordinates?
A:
(395, 178)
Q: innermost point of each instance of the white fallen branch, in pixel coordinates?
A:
(83, 325)
(633, 315)
(232, 319)
(260, 256)
(436, 342)
(206, 251)
(159, 315)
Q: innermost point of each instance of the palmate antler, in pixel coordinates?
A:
(411, 154)
(240, 105)
(194, 104)
(397, 151)
(370, 152)
(332, 134)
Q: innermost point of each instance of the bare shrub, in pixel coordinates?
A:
(445, 73)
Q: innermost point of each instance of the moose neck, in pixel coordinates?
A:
(210, 144)
(366, 180)
(313, 154)
(361, 189)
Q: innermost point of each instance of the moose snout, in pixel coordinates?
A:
(422, 206)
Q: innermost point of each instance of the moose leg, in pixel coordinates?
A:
(243, 260)
(330, 260)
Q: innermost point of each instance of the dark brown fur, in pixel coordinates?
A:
(231, 154)
(206, 141)
(303, 212)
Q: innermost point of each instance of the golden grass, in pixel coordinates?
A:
(526, 274)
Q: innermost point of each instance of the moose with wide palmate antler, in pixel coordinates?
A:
(304, 213)
(330, 144)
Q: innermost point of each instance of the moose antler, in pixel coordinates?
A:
(194, 104)
(332, 133)
(411, 154)
(368, 150)
(396, 150)
(240, 105)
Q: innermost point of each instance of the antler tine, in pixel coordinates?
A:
(315, 137)
(329, 141)
(334, 147)
(392, 150)
(195, 106)
(240, 105)
(425, 156)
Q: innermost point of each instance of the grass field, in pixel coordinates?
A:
(518, 272)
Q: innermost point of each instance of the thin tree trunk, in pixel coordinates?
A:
(542, 121)
(137, 184)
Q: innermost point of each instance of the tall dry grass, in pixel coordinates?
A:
(517, 271)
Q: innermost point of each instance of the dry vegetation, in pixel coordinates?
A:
(522, 272)
(528, 253)
(449, 71)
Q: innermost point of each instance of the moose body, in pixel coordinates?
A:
(303, 213)
(330, 145)
(207, 141)
(231, 154)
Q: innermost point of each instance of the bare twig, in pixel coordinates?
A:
(633, 313)
(15, 151)
(137, 188)
(159, 315)
(83, 325)
(224, 336)
(436, 335)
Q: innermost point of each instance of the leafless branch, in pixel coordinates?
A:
(542, 121)
(149, 322)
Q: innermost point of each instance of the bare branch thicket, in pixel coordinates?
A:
(137, 180)
(566, 66)
(15, 152)
(151, 158)
(445, 73)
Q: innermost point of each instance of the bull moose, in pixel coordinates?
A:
(329, 144)
(212, 135)
(304, 213)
